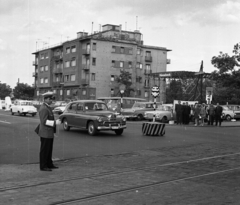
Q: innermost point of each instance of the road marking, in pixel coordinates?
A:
(5, 122)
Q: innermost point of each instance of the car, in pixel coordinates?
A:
(3, 104)
(236, 110)
(228, 114)
(93, 116)
(58, 104)
(163, 113)
(138, 109)
(59, 110)
(23, 107)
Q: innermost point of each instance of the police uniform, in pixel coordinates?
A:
(46, 132)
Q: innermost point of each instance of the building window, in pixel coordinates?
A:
(113, 63)
(41, 81)
(73, 49)
(129, 64)
(146, 94)
(140, 65)
(37, 92)
(112, 91)
(46, 80)
(148, 53)
(84, 92)
(73, 77)
(112, 78)
(46, 55)
(68, 92)
(114, 49)
(138, 51)
(57, 79)
(42, 68)
(73, 62)
(94, 46)
(148, 67)
(122, 50)
(42, 56)
(68, 50)
(67, 64)
(93, 61)
(139, 92)
(130, 51)
(121, 64)
(93, 77)
(46, 68)
(61, 92)
(54, 91)
(66, 78)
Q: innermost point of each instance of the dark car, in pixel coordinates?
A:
(92, 115)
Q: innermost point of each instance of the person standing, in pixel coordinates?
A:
(46, 132)
(196, 114)
(203, 113)
(211, 113)
(187, 113)
(218, 115)
(178, 110)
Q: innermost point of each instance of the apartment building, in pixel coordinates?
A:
(87, 66)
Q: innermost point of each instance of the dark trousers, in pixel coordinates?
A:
(185, 119)
(218, 120)
(179, 118)
(46, 152)
(211, 119)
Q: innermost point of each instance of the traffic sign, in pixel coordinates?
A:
(155, 91)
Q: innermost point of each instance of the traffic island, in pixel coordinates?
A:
(153, 129)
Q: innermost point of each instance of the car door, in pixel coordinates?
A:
(72, 114)
(80, 118)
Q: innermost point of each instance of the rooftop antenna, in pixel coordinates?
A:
(136, 22)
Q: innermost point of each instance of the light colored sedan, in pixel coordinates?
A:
(163, 113)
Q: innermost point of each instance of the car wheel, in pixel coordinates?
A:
(24, 114)
(119, 132)
(12, 112)
(140, 117)
(164, 119)
(33, 115)
(65, 125)
(91, 129)
(228, 118)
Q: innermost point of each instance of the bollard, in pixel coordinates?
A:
(153, 129)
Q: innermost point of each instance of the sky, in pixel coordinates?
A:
(195, 30)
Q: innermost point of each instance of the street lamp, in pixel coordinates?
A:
(122, 89)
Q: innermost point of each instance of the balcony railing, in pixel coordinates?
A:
(57, 83)
(86, 67)
(86, 51)
(57, 70)
(148, 58)
(85, 81)
(168, 61)
(57, 57)
(147, 72)
(34, 74)
(35, 63)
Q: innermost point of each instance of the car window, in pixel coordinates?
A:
(149, 105)
(95, 106)
(72, 107)
(79, 108)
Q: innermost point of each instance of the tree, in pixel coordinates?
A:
(174, 91)
(5, 90)
(227, 77)
(23, 91)
(126, 79)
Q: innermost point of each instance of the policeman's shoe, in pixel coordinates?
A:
(46, 169)
(53, 167)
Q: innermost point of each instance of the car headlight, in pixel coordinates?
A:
(123, 118)
(99, 119)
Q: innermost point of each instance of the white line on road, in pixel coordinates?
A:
(5, 122)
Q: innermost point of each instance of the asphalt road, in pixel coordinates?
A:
(19, 144)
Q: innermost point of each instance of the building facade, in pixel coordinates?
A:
(87, 67)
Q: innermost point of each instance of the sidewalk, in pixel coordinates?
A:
(224, 124)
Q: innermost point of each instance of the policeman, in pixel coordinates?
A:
(46, 132)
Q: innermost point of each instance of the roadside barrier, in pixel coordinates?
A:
(153, 128)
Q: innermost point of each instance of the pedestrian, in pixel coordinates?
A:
(218, 115)
(187, 113)
(211, 113)
(178, 110)
(46, 132)
(183, 113)
(196, 114)
(202, 113)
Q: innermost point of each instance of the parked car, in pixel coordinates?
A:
(3, 104)
(138, 109)
(236, 110)
(92, 115)
(58, 104)
(228, 114)
(23, 107)
(163, 113)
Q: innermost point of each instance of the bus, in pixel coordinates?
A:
(114, 103)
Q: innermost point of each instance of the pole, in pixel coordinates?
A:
(154, 105)
(121, 103)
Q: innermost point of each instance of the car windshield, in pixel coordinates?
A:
(164, 108)
(26, 103)
(226, 108)
(143, 105)
(91, 106)
(58, 103)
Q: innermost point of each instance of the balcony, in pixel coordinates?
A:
(58, 57)
(57, 84)
(148, 58)
(147, 72)
(35, 63)
(57, 70)
(86, 67)
(86, 51)
(34, 74)
(168, 61)
(85, 81)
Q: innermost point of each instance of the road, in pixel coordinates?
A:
(20, 145)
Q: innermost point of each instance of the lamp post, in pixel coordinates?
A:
(122, 89)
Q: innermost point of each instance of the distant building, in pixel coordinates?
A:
(87, 67)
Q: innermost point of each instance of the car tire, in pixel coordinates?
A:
(12, 112)
(228, 118)
(140, 117)
(91, 128)
(65, 125)
(119, 132)
(33, 115)
(24, 114)
(164, 119)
